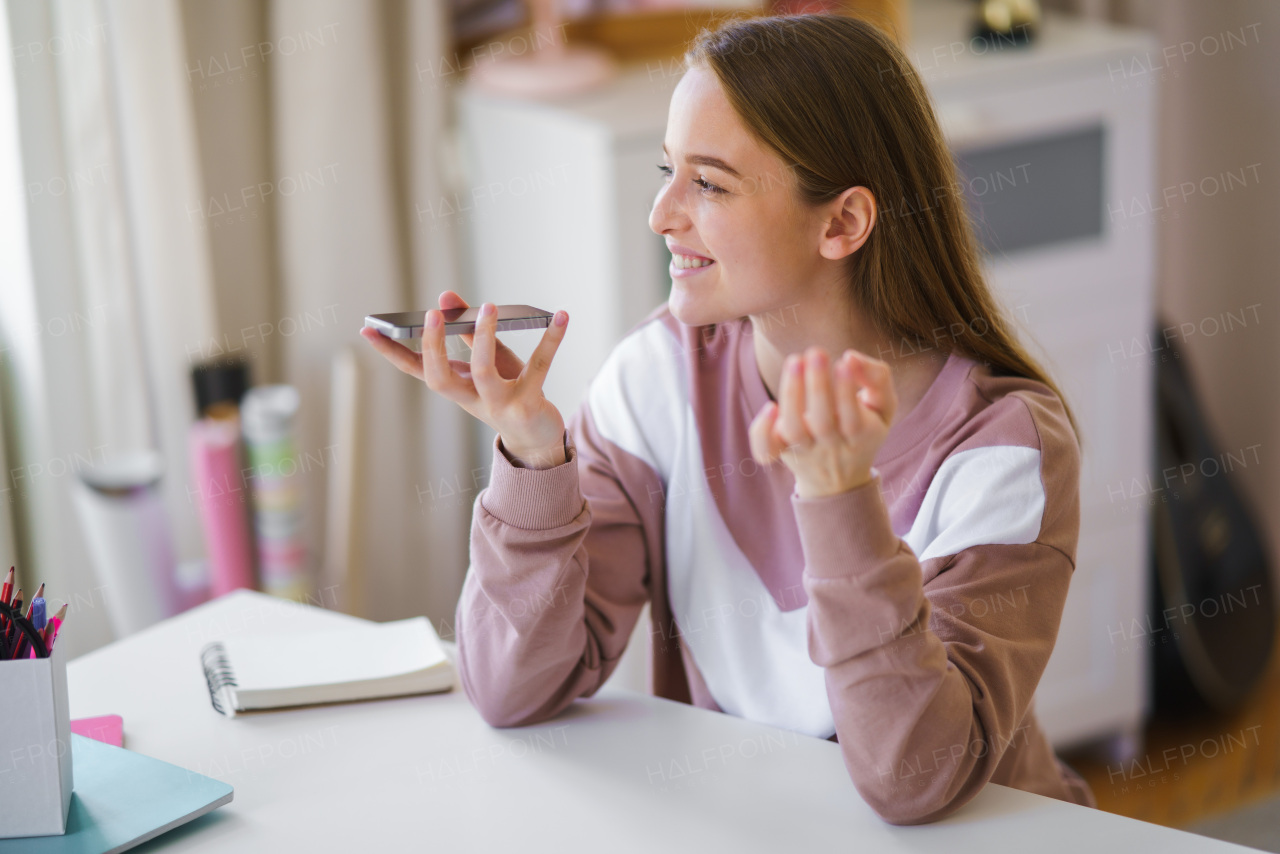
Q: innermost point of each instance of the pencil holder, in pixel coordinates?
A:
(35, 746)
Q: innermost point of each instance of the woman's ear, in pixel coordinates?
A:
(848, 222)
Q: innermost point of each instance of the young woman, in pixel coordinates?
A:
(850, 497)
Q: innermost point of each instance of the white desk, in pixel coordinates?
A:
(619, 772)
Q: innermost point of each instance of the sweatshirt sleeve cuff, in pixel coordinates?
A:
(845, 534)
(533, 499)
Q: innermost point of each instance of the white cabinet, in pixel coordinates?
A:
(1057, 145)
(562, 192)
(577, 238)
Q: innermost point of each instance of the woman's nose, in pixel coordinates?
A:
(665, 214)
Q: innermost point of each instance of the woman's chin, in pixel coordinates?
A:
(692, 311)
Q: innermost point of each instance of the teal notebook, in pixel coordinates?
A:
(122, 799)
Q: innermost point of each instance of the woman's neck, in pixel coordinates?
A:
(913, 373)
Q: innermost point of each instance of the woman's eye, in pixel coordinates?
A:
(706, 187)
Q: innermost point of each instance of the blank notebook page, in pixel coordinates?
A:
(333, 656)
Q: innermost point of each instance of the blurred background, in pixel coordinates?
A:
(202, 201)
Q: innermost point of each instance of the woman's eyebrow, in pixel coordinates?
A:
(706, 160)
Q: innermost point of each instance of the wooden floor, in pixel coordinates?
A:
(1194, 769)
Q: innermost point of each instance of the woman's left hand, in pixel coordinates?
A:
(828, 422)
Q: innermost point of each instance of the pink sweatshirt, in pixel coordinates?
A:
(909, 619)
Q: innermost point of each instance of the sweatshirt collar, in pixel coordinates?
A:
(908, 432)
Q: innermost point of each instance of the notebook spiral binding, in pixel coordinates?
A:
(218, 676)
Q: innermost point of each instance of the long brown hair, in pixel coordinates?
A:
(840, 103)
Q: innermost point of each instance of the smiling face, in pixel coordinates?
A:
(741, 211)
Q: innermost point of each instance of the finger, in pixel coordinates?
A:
(394, 352)
(849, 409)
(484, 369)
(450, 299)
(436, 370)
(876, 379)
(540, 360)
(760, 435)
(508, 363)
(790, 427)
(819, 415)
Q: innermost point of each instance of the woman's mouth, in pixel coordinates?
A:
(688, 265)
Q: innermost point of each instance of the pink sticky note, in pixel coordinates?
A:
(106, 728)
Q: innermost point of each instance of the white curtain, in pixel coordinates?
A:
(205, 180)
(96, 369)
(15, 273)
(347, 103)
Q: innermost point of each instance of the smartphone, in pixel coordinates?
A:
(458, 321)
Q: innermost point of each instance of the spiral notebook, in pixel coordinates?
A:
(334, 665)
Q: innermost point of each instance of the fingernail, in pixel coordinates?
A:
(433, 319)
(562, 317)
(486, 309)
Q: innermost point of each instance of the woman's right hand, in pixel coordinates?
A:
(496, 386)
